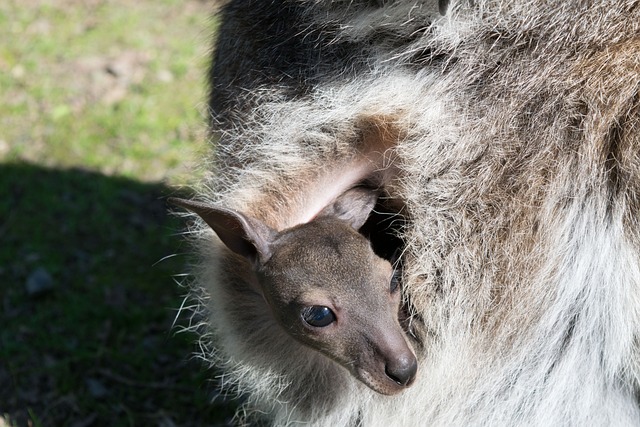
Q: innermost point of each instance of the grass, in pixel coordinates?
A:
(110, 85)
(100, 119)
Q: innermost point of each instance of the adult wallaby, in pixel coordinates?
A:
(325, 285)
(515, 126)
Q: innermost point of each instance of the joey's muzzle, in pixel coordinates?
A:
(403, 369)
(391, 366)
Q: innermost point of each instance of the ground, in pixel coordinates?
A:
(101, 118)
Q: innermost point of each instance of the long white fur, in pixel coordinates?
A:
(522, 269)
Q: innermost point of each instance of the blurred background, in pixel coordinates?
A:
(101, 118)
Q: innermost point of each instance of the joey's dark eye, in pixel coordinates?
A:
(395, 281)
(318, 315)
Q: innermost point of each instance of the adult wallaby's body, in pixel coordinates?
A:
(517, 132)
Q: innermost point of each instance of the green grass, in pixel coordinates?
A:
(100, 119)
(113, 86)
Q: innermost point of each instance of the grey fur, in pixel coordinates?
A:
(517, 126)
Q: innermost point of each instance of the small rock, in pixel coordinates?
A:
(39, 282)
(165, 76)
(32, 257)
(18, 71)
(96, 388)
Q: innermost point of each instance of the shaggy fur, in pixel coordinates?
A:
(519, 158)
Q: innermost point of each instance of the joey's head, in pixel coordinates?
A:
(330, 291)
(326, 287)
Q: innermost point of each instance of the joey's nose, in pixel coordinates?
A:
(402, 370)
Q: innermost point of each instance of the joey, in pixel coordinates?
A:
(325, 286)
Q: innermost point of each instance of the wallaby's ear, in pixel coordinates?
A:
(244, 235)
(352, 206)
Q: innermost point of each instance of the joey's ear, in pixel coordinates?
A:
(244, 235)
(352, 206)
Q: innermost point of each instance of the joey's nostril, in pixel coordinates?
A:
(403, 370)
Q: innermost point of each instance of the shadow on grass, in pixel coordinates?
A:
(87, 305)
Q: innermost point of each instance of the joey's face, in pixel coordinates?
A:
(329, 291)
